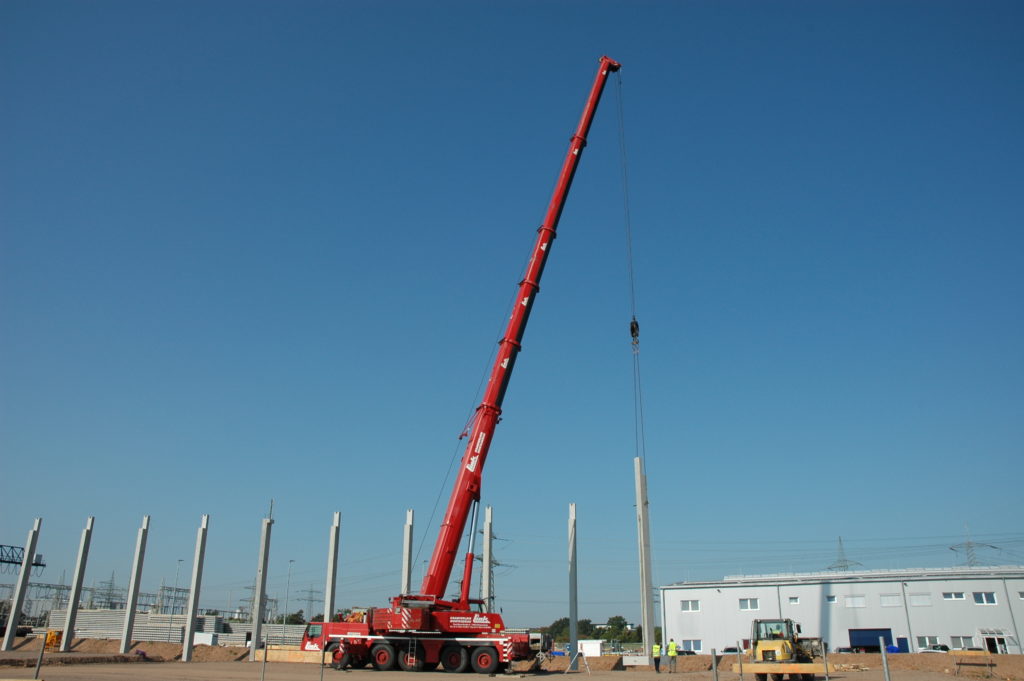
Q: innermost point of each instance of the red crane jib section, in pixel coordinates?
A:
(467, 485)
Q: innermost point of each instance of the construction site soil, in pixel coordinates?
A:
(99, 660)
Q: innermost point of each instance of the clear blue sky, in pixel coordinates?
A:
(255, 250)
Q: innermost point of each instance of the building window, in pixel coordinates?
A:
(1020, 594)
(961, 642)
(920, 599)
(830, 599)
(689, 606)
(794, 600)
(748, 604)
(890, 600)
(984, 598)
(690, 644)
(927, 641)
(953, 595)
(856, 602)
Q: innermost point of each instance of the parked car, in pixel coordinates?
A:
(845, 650)
(731, 650)
(937, 648)
(685, 652)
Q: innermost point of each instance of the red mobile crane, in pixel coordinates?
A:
(420, 631)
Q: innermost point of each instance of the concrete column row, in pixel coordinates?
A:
(260, 598)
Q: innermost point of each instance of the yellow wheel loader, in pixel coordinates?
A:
(777, 649)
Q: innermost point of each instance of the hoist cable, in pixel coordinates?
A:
(640, 443)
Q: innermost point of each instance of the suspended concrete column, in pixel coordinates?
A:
(133, 586)
(193, 594)
(407, 553)
(259, 597)
(643, 539)
(332, 567)
(574, 634)
(21, 588)
(486, 571)
(76, 586)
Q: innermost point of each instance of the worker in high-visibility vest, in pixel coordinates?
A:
(656, 654)
(673, 651)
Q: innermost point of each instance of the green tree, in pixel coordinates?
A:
(559, 629)
(616, 629)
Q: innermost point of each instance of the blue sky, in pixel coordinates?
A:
(262, 250)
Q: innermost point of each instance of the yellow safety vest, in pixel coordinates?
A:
(656, 650)
(672, 649)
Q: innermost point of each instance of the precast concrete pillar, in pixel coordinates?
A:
(574, 634)
(332, 567)
(407, 553)
(193, 594)
(133, 586)
(643, 540)
(259, 597)
(76, 586)
(486, 572)
(21, 588)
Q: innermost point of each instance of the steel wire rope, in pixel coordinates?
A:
(470, 419)
(639, 436)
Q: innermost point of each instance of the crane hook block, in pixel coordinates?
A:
(634, 329)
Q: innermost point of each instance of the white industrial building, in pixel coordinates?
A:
(967, 607)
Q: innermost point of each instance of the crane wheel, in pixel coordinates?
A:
(340, 659)
(761, 677)
(383, 657)
(411, 660)
(778, 677)
(484, 660)
(454, 658)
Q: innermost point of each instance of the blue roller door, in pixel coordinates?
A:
(868, 638)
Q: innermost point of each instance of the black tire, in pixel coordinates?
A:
(761, 677)
(808, 677)
(336, 660)
(383, 657)
(411, 660)
(778, 677)
(484, 659)
(454, 658)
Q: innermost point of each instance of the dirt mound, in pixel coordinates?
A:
(1003, 666)
(559, 663)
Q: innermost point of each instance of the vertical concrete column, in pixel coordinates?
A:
(643, 540)
(133, 586)
(21, 588)
(485, 570)
(574, 634)
(332, 567)
(407, 553)
(259, 597)
(76, 586)
(193, 594)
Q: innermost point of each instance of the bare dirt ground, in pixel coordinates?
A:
(97, 660)
(277, 671)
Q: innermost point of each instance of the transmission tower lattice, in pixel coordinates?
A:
(842, 564)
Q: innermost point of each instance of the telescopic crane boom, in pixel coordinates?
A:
(466, 492)
(422, 631)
